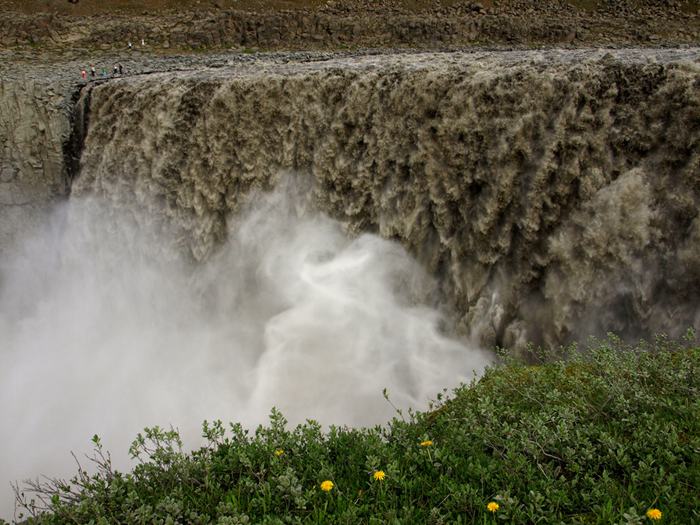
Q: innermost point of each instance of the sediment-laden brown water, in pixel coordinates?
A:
(553, 194)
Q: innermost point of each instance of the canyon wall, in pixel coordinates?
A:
(554, 194)
(35, 121)
(86, 26)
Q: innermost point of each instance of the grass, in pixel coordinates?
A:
(597, 436)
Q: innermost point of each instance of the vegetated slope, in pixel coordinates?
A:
(554, 195)
(87, 25)
(597, 439)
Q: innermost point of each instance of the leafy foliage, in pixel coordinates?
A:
(596, 436)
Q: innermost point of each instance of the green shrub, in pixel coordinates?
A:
(597, 437)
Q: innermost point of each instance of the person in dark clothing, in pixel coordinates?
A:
(115, 71)
(121, 69)
(92, 71)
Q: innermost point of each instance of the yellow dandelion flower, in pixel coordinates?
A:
(279, 452)
(426, 443)
(327, 486)
(379, 475)
(654, 514)
(492, 506)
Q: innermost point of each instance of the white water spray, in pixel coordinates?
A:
(98, 335)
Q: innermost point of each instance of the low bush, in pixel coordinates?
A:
(606, 435)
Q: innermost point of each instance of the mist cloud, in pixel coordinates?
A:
(105, 330)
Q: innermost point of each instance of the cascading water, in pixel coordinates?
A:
(553, 195)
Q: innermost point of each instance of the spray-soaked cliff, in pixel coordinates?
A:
(555, 195)
(34, 122)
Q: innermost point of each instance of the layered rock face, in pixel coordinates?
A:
(307, 24)
(553, 194)
(34, 124)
